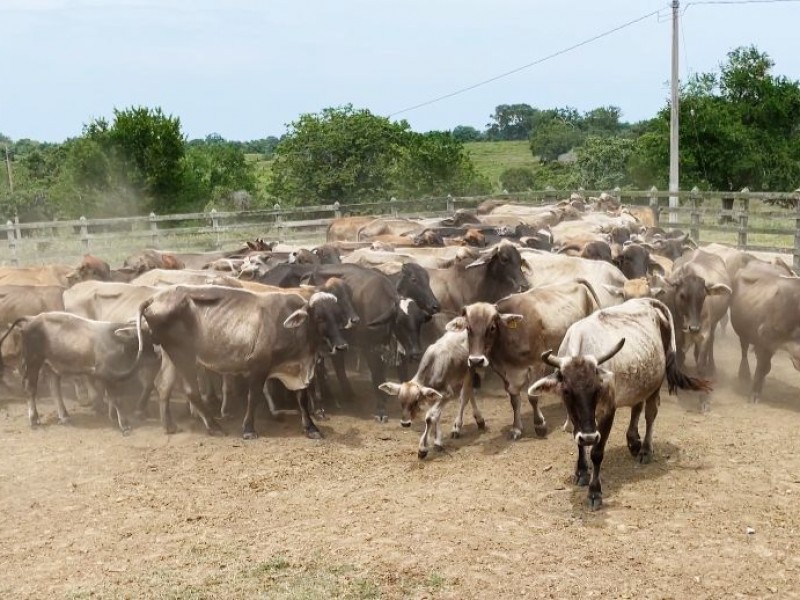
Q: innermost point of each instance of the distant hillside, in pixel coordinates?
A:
(492, 158)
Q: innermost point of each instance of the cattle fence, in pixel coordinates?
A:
(747, 220)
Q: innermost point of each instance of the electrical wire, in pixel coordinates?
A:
(529, 65)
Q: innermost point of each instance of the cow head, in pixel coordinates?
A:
(670, 247)
(323, 319)
(415, 283)
(303, 256)
(582, 383)
(483, 324)
(408, 325)
(429, 238)
(634, 262)
(504, 267)
(597, 250)
(634, 288)
(91, 267)
(474, 237)
(344, 300)
(688, 293)
(328, 255)
(412, 396)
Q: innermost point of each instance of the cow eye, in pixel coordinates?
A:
(413, 280)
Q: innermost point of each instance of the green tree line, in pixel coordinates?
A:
(740, 127)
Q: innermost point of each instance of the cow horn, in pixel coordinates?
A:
(553, 361)
(604, 357)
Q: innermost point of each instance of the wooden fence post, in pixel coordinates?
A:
(17, 230)
(796, 257)
(84, 234)
(617, 194)
(153, 230)
(451, 207)
(694, 227)
(393, 206)
(278, 221)
(337, 210)
(741, 242)
(654, 204)
(215, 227)
(12, 242)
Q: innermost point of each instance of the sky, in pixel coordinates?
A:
(245, 69)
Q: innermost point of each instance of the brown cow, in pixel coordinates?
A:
(511, 335)
(636, 341)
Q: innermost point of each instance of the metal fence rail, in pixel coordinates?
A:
(743, 219)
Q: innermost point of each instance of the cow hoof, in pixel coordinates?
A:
(595, 501)
(582, 479)
(313, 434)
(140, 414)
(322, 415)
(514, 435)
(249, 435)
(64, 421)
(455, 434)
(170, 429)
(382, 418)
(481, 424)
(216, 432)
(438, 447)
(540, 430)
(635, 447)
(705, 406)
(645, 457)
(224, 416)
(126, 431)
(754, 399)
(35, 424)
(421, 454)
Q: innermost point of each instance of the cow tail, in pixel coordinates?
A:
(5, 335)
(589, 287)
(676, 379)
(139, 316)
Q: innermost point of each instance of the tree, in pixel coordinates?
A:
(553, 138)
(602, 121)
(739, 128)
(215, 172)
(602, 162)
(466, 133)
(518, 179)
(511, 122)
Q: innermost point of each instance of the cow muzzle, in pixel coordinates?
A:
(587, 439)
(406, 423)
(352, 322)
(477, 361)
(694, 328)
(338, 348)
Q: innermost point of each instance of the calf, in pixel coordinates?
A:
(637, 362)
(443, 373)
(511, 335)
(106, 352)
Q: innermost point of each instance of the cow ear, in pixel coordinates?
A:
(718, 289)
(296, 319)
(657, 291)
(614, 290)
(251, 245)
(549, 384)
(606, 377)
(457, 324)
(484, 259)
(430, 394)
(390, 387)
(526, 268)
(126, 333)
(656, 268)
(510, 320)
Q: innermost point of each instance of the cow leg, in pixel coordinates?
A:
(516, 428)
(324, 385)
(309, 427)
(187, 368)
(581, 468)
(378, 372)
(166, 379)
(598, 451)
(112, 394)
(634, 441)
(650, 414)
(539, 423)
(148, 385)
(432, 418)
(744, 363)
(341, 375)
(763, 367)
(32, 366)
(255, 391)
(63, 415)
(455, 432)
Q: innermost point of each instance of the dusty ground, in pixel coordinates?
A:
(85, 512)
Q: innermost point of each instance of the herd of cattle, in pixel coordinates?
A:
(584, 299)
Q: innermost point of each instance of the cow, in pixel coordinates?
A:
(634, 261)
(90, 267)
(166, 277)
(235, 331)
(107, 353)
(636, 342)
(765, 313)
(443, 373)
(634, 288)
(153, 259)
(497, 272)
(594, 250)
(328, 254)
(511, 335)
(698, 294)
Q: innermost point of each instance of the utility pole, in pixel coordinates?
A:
(8, 168)
(674, 125)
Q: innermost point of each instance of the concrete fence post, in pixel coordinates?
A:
(393, 206)
(215, 227)
(694, 227)
(84, 234)
(744, 216)
(617, 194)
(451, 205)
(337, 210)
(153, 230)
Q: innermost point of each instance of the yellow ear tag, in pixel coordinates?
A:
(511, 324)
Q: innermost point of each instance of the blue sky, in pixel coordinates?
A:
(244, 68)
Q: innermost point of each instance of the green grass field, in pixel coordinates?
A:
(492, 158)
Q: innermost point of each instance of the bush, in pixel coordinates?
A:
(518, 179)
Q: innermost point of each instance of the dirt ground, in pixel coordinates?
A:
(86, 512)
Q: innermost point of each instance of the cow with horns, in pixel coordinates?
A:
(635, 367)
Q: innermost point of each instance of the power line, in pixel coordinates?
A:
(529, 65)
(700, 2)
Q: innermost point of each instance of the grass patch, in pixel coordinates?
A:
(492, 158)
